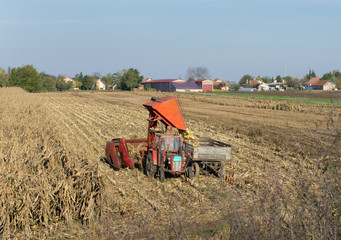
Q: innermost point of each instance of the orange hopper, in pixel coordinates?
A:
(166, 109)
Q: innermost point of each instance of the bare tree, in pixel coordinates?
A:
(195, 73)
(97, 75)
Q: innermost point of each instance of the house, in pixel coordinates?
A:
(72, 82)
(316, 83)
(163, 85)
(251, 83)
(277, 86)
(205, 84)
(68, 79)
(112, 87)
(99, 85)
(263, 87)
(186, 87)
(220, 84)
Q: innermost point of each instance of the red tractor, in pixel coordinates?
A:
(163, 151)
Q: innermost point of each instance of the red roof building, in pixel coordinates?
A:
(316, 83)
(205, 84)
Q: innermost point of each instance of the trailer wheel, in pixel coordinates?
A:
(150, 168)
(196, 169)
(222, 170)
(161, 173)
(189, 173)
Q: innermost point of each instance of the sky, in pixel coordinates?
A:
(163, 38)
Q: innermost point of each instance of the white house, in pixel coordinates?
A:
(99, 84)
(263, 87)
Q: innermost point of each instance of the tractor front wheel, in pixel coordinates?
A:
(189, 173)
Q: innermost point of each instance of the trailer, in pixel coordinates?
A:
(210, 155)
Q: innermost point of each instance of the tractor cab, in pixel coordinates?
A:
(168, 153)
(168, 143)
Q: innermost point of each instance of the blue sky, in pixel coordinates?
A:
(163, 38)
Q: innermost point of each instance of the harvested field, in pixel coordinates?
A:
(54, 184)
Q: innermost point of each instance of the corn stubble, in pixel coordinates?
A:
(41, 183)
(285, 170)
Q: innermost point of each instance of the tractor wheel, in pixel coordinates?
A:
(222, 170)
(161, 173)
(190, 173)
(150, 168)
(195, 169)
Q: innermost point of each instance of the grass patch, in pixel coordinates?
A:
(301, 100)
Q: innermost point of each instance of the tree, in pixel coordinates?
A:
(334, 76)
(279, 79)
(266, 79)
(79, 77)
(117, 77)
(2, 77)
(148, 87)
(97, 75)
(26, 77)
(61, 85)
(48, 82)
(293, 83)
(88, 82)
(108, 79)
(245, 79)
(310, 75)
(130, 79)
(287, 78)
(259, 79)
(236, 87)
(197, 73)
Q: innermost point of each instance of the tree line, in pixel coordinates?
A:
(28, 78)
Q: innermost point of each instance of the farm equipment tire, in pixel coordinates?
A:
(116, 162)
(222, 170)
(195, 169)
(161, 173)
(150, 167)
(189, 173)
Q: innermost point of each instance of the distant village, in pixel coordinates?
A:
(28, 78)
(208, 85)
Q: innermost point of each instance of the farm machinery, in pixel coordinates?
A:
(168, 148)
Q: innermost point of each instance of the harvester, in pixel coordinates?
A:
(169, 148)
(163, 150)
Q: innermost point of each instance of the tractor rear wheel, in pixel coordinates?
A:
(150, 167)
(161, 173)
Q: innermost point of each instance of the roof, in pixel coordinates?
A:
(68, 79)
(218, 82)
(201, 80)
(149, 80)
(253, 82)
(185, 85)
(247, 89)
(316, 81)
